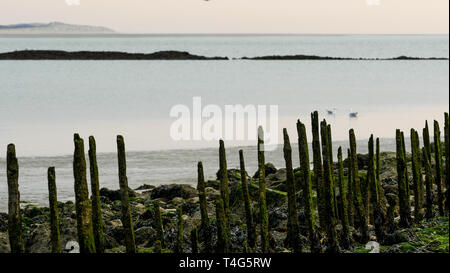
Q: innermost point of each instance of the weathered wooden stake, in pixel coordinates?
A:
(264, 215)
(293, 227)
(97, 221)
(222, 238)
(203, 208)
(194, 241)
(330, 224)
(346, 240)
(358, 201)
(438, 168)
(159, 224)
(403, 196)
(14, 214)
(251, 228)
(82, 202)
(55, 240)
(318, 168)
(127, 220)
(224, 191)
(308, 205)
(417, 175)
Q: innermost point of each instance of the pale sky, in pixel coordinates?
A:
(239, 16)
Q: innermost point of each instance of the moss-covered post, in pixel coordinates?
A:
(251, 228)
(307, 201)
(403, 196)
(14, 215)
(264, 215)
(343, 204)
(378, 214)
(358, 201)
(97, 221)
(318, 168)
(224, 191)
(426, 140)
(293, 227)
(350, 197)
(55, 240)
(179, 245)
(438, 167)
(330, 227)
(82, 202)
(127, 220)
(159, 224)
(194, 241)
(222, 238)
(331, 159)
(447, 150)
(203, 208)
(158, 247)
(417, 175)
(428, 184)
(378, 168)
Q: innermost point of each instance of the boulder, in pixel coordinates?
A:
(269, 169)
(114, 195)
(174, 190)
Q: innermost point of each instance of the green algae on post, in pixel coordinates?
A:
(222, 238)
(55, 240)
(403, 195)
(438, 168)
(358, 201)
(307, 187)
(159, 224)
(14, 214)
(293, 227)
(330, 224)
(82, 202)
(224, 191)
(318, 169)
(264, 215)
(346, 240)
(251, 228)
(97, 221)
(203, 208)
(127, 220)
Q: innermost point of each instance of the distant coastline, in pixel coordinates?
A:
(178, 55)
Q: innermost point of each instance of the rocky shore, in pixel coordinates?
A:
(431, 236)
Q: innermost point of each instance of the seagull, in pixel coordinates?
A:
(331, 112)
(353, 114)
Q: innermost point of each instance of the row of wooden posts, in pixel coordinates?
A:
(357, 204)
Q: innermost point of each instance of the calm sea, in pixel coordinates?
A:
(42, 103)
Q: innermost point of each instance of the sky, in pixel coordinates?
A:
(239, 16)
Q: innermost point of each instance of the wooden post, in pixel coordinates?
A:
(14, 214)
(55, 240)
(127, 220)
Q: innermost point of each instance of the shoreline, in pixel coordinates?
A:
(181, 56)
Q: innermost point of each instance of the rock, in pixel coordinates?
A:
(276, 217)
(174, 190)
(278, 176)
(115, 195)
(139, 208)
(234, 175)
(3, 222)
(144, 187)
(144, 235)
(72, 247)
(269, 169)
(212, 194)
(373, 246)
(4, 243)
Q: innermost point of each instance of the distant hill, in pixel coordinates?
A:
(52, 28)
